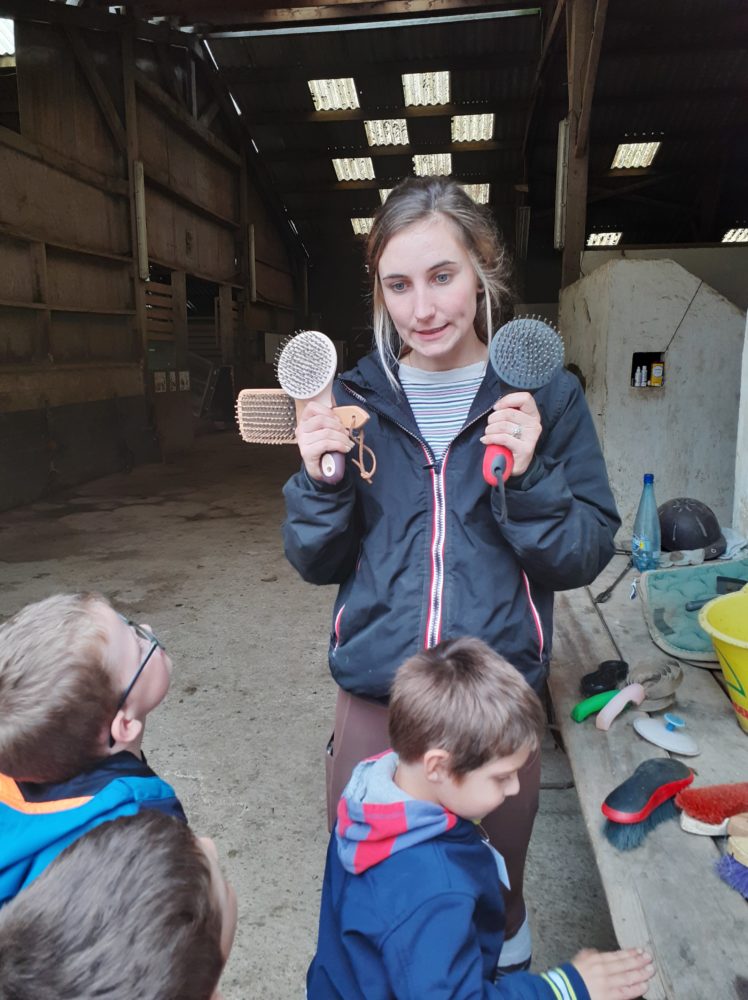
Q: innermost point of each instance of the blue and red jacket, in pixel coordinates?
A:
(419, 553)
(38, 821)
(412, 907)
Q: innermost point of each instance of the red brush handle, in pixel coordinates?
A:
(498, 461)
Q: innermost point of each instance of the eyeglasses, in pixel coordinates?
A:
(147, 636)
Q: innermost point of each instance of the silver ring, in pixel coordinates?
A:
(517, 431)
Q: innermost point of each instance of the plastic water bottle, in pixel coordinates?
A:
(645, 543)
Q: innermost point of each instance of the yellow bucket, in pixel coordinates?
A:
(725, 620)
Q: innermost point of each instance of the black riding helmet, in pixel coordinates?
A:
(686, 524)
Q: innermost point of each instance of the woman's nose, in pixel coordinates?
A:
(424, 305)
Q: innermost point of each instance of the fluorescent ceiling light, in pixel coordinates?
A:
(7, 37)
(425, 89)
(362, 227)
(735, 236)
(432, 164)
(478, 192)
(387, 132)
(603, 239)
(634, 154)
(334, 95)
(354, 168)
(472, 128)
(383, 194)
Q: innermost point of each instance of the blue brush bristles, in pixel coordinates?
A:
(627, 836)
(731, 871)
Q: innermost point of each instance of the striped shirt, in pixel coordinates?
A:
(441, 401)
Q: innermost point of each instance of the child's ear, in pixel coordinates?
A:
(436, 765)
(125, 730)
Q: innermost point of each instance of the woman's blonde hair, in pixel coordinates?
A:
(418, 198)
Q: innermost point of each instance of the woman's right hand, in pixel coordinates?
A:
(318, 432)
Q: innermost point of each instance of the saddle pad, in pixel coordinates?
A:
(664, 593)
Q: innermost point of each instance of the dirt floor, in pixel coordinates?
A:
(193, 548)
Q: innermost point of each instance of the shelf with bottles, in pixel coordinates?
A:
(647, 370)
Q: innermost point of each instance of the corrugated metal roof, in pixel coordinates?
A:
(7, 37)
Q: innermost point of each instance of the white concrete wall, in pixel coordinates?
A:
(723, 267)
(685, 432)
(740, 507)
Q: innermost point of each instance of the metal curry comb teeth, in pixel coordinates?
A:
(305, 364)
(266, 416)
(526, 352)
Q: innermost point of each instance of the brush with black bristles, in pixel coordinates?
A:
(525, 353)
(643, 801)
(306, 368)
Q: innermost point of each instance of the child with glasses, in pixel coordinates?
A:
(136, 908)
(77, 681)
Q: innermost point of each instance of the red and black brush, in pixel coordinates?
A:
(644, 801)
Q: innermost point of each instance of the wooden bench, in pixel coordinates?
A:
(665, 894)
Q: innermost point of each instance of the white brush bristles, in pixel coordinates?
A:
(526, 352)
(266, 416)
(306, 364)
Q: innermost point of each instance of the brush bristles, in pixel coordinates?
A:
(306, 364)
(731, 871)
(628, 836)
(714, 803)
(525, 353)
(266, 416)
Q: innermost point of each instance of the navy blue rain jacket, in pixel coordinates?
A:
(419, 553)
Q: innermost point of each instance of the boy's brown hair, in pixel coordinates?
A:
(56, 694)
(128, 910)
(462, 697)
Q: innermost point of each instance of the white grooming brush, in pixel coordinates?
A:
(306, 368)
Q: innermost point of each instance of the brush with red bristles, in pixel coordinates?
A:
(708, 810)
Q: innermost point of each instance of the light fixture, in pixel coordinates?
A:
(425, 89)
(362, 227)
(387, 132)
(432, 164)
(735, 236)
(478, 192)
(604, 239)
(354, 168)
(334, 95)
(472, 128)
(383, 193)
(634, 154)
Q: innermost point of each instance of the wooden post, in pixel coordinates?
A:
(179, 314)
(133, 158)
(226, 324)
(43, 346)
(579, 18)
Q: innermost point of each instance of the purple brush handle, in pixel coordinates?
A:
(333, 466)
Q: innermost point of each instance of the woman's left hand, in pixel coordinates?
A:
(515, 424)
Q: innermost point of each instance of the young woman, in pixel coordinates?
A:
(420, 553)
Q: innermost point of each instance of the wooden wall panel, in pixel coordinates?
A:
(82, 337)
(57, 106)
(16, 271)
(18, 341)
(41, 201)
(179, 238)
(274, 285)
(87, 282)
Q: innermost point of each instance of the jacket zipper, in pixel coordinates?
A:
(439, 527)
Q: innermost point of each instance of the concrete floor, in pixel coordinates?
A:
(194, 549)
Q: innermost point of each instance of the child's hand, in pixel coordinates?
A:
(614, 975)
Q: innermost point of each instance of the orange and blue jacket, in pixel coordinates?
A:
(38, 821)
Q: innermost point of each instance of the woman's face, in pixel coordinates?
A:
(430, 290)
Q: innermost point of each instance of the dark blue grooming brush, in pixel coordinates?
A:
(643, 801)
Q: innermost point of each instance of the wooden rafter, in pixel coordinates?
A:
(590, 77)
(310, 153)
(98, 87)
(289, 116)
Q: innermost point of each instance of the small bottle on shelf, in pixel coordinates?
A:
(637, 378)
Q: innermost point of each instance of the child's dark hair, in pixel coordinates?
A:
(128, 910)
(462, 697)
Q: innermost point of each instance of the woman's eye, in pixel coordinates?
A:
(397, 286)
(442, 279)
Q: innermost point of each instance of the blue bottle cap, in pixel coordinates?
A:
(648, 477)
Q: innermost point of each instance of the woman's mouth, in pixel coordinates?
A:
(432, 331)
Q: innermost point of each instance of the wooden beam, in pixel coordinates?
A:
(127, 48)
(377, 152)
(590, 77)
(207, 117)
(66, 165)
(548, 43)
(359, 114)
(225, 14)
(98, 87)
(44, 12)
(158, 180)
(183, 119)
(579, 20)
